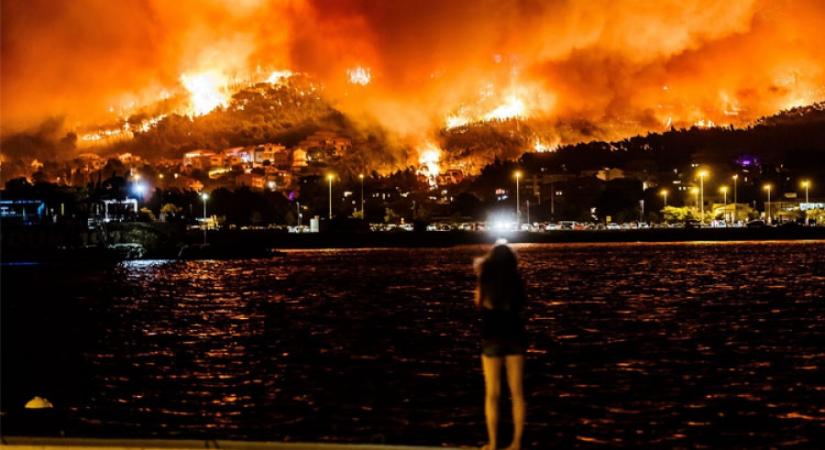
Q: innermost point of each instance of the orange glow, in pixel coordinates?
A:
(576, 71)
(429, 156)
(207, 91)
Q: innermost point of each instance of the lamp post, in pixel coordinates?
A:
(806, 184)
(735, 200)
(204, 197)
(724, 191)
(518, 205)
(695, 192)
(768, 204)
(702, 175)
(663, 193)
(329, 178)
(361, 177)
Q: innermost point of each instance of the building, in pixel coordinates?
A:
(274, 154)
(237, 156)
(323, 146)
(201, 159)
(299, 159)
(251, 180)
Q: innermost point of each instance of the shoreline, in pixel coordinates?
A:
(147, 241)
(443, 239)
(44, 443)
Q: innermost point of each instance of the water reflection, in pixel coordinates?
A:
(632, 345)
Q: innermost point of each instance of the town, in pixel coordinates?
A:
(300, 189)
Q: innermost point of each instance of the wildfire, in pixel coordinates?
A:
(126, 131)
(279, 76)
(540, 146)
(512, 107)
(359, 75)
(456, 120)
(704, 123)
(207, 91)
(428, 157)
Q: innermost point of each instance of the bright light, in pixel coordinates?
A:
(735, 177)
(703, 173)
(139, 188)
(663, 192)
(207, 91)
(455, 121)
(271, 185)
(204, 196)
(330, 177)
(767, 187)
(360, 176)
(512, 107)
(806, 184)
(723, 189)
(541, 147)
(517, 174)
(694, 190)
(359, 75)
(279, 76)
(428, 157)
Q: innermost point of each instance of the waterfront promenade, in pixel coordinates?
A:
(31, 443)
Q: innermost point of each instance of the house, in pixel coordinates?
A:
(274, 154)
(236, 156)
(199, 159)
(251, 180)
(299, 159)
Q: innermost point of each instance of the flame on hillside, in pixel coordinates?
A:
(207, 91)
(429, 156)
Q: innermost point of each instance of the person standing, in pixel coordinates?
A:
(500, 298)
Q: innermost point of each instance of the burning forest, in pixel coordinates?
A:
(456, 83)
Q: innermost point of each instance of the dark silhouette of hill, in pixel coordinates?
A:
(794, 139)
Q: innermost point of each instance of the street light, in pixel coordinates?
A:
(139, 189)
(702, 175)
(695, 192)
(329, 178)
(204, 197)
(518, 206)
(361, 177)
(724, 191)
(767, 187)
(735, 200)
(806, 184)
(663, 193)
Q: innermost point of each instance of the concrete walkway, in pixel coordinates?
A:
(25, 443)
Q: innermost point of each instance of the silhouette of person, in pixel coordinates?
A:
(500, 298)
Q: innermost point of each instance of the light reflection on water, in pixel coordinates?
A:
(653, 345)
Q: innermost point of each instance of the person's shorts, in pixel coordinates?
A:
(499, 347)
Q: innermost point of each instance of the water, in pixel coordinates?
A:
(632, 345)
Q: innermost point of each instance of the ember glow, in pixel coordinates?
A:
(577, 70)
(359, 75)
(207, 91)
(429, 156)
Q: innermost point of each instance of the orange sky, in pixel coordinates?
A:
(626, 66)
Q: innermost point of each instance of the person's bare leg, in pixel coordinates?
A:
(515, 377)
(492, 391)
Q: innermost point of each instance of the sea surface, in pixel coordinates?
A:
(632, 345)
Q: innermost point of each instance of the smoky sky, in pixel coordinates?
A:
(629, 66)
